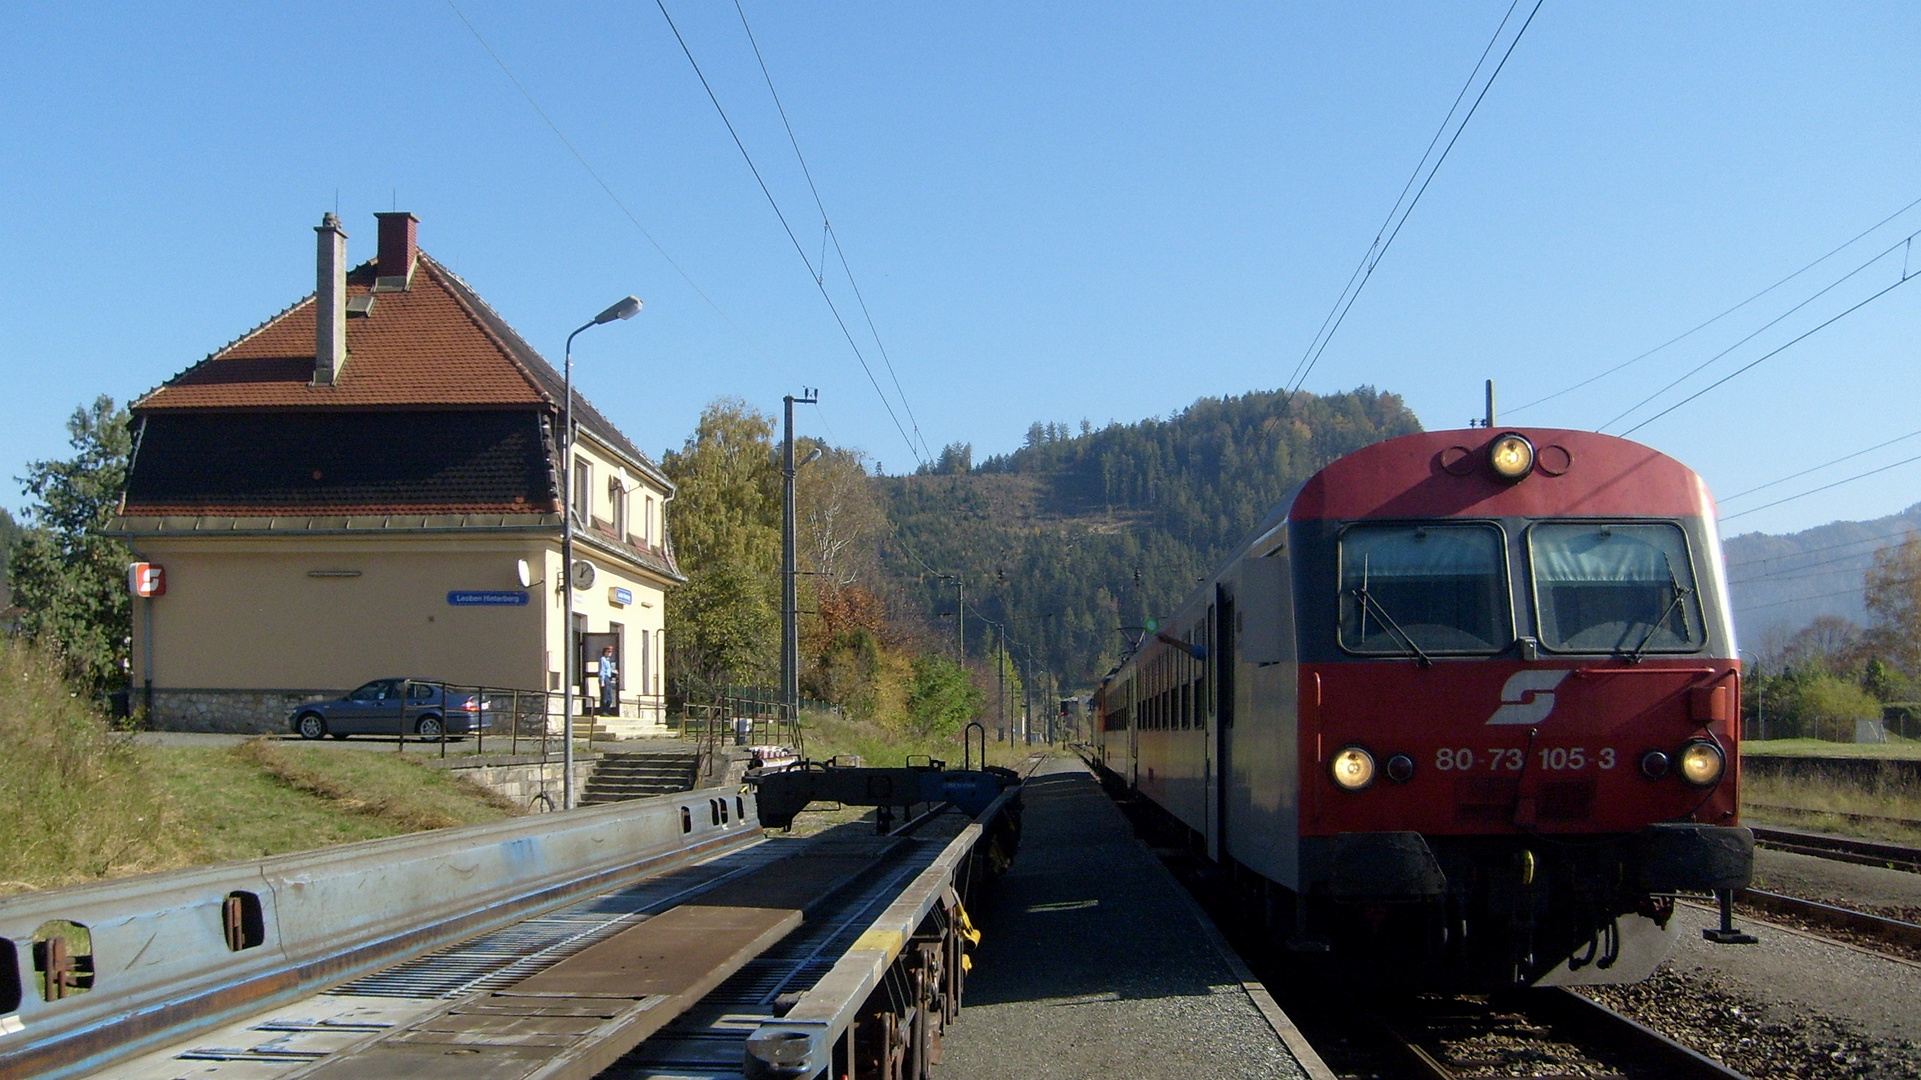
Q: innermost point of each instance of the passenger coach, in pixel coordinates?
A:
(1463, 710)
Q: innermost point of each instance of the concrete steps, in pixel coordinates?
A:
(618, 777)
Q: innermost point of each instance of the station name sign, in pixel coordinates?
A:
(487, 598)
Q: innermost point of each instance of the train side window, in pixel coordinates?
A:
(1424, 588)
(713, 810)
(1614, 587)
(686, 820)
(740, 808)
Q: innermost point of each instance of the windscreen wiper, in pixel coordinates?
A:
(1367, 601)
(1680, 594)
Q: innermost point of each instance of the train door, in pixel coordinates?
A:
(1220, 653)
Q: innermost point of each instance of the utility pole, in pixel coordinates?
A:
(1001, 663)
(789, 604)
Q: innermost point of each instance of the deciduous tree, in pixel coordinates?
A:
(1894, 603)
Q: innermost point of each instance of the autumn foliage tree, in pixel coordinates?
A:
(1894, 604)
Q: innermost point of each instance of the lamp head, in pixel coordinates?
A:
(626, 309)
(812, 456)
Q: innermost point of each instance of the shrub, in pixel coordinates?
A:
(80, 803)
(1827, 706)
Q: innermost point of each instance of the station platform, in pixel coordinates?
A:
(1095, 963)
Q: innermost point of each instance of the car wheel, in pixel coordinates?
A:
(311, 726)
(430, 727)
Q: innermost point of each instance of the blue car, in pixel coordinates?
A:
(433, 711)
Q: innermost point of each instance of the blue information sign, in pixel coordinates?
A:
(487, 598)
(622, 596)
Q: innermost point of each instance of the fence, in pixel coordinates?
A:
(743, 716)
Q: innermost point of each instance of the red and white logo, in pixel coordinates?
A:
(1528, 697)
(147, 579)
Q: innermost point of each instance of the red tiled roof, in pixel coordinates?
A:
(426, 346)
(325, 510)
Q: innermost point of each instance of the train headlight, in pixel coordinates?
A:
(1352, 769)
(1400, 768)
(1655, 764)
(1702, 763)
(1511, 456)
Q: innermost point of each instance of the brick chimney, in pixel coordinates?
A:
(395, 263)
(330, 302)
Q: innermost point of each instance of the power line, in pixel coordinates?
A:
(828, 231)
(1702, 326)
(1795, 571)
(1825, 487)
(1824, 547)
(591, 171)
(798, 249)
(1767, 356)
(1770, 324)
(1823, 596)
(1818, 468)
(1377, 250)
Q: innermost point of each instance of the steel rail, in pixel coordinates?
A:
(1912, 823)
(1840, 918)
(1564, 1009)
(154, 959)
(1841, 848)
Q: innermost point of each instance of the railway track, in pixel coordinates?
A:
(1445, 1037)
(1840, 848)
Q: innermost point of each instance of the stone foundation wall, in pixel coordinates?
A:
(237, 712)
(523, 778)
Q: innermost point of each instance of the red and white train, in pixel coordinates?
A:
(1464, 710)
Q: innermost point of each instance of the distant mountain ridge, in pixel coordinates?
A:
(1780, 583)
(1075, 536)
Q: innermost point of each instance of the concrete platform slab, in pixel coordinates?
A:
(1095, 963)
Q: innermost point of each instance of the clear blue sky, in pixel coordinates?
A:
(1084, 211)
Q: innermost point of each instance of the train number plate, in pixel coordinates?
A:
(1513, 758)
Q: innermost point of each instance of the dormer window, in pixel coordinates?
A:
(617, 495)
(583, 489)
(647, 524)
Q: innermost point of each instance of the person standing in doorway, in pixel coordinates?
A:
(609, 682)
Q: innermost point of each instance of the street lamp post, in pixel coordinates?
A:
(625, 309)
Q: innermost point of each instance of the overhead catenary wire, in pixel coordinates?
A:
(1825, 487)
(1850, 242)
(1752, 364)
(620, 204)
(1391, 227)
(1823, 465)
(827, 232)
(799, 249)
(1770, 324)
(1825, 547)
(1792, 572)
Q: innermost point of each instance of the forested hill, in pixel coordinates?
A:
(1078, 534)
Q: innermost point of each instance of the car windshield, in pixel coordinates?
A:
(1621, 588)
(1417, 589)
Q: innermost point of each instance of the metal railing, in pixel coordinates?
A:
(744, 716)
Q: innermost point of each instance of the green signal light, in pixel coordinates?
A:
(1152, 625)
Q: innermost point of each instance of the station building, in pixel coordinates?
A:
(366, 486)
